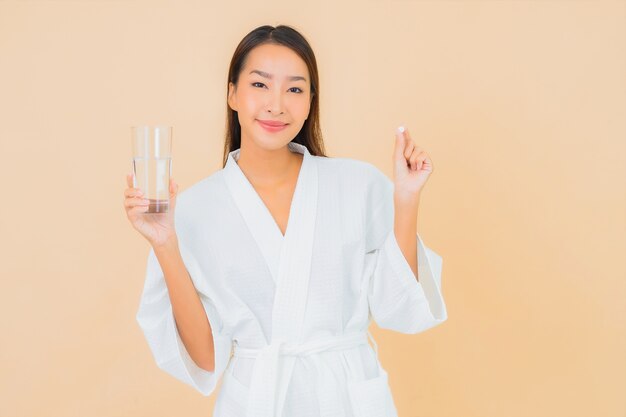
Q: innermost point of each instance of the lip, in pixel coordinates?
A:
(272, 126)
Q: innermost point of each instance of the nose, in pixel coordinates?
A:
(275, 104)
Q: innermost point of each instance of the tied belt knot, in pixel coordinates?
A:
(269, 383)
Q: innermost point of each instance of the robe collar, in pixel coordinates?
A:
(257, 216)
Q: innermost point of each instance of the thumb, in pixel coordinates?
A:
(173, 191)
(400, 145)
(173, 188)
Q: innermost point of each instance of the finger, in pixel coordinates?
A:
(429, 164)
(173, 191)
(400, 144)
(136, 201)
(417, 157)
(409, 139)
(407, 134)
(133, 192)
(137, 209)
(408, 150)
(413, 160)
(423, 156)
(130, 179)
(139, 202)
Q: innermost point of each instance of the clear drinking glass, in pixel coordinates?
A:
(152, 164)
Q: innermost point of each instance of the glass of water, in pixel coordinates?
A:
(152, 164)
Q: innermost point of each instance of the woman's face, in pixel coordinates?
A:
(274, 85)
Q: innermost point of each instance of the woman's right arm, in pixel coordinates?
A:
(191, 320)
(189, 314)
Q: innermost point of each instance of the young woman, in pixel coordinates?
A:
(281, 256)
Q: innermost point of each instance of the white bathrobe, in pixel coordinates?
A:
(290, 314)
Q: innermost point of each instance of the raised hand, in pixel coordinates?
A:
(412, 166)
(157, 228)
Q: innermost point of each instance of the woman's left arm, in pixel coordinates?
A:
(404, 290)
(412, 167)
(405, 228)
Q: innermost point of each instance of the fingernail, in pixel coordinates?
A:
(400, 129)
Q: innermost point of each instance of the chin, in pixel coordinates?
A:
(271, 143)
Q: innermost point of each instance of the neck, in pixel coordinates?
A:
(267, 167)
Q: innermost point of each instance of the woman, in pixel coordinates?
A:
(282, 255)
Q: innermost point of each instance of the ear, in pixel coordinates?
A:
(232, 99)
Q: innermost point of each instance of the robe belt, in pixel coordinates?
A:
(267, 389)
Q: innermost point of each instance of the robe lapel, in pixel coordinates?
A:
(257, 217)
(289, 259)
(295, 257)
(294, 272)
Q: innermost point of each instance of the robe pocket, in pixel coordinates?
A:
(233, 398)
(372, 397)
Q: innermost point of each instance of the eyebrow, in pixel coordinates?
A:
(266, 75)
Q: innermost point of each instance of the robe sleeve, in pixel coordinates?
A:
(156, 320)
(397, 300)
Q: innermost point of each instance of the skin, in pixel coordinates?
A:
(264, 157)
(412, 168)
(272, 169)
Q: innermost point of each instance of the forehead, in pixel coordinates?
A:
(277, 60)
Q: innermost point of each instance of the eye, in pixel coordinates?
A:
(297, 88)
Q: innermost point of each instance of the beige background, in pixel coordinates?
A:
(521, 105)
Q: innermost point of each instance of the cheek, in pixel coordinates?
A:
(301, 106)
(250, 103)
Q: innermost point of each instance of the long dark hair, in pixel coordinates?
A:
(310, 135)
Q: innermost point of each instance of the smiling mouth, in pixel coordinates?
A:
(272, 124)
(272, 128)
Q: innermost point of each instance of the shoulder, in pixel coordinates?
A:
(355, 172)
(199, 199)
(364, 187)
(198, 191)
(370, 194)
